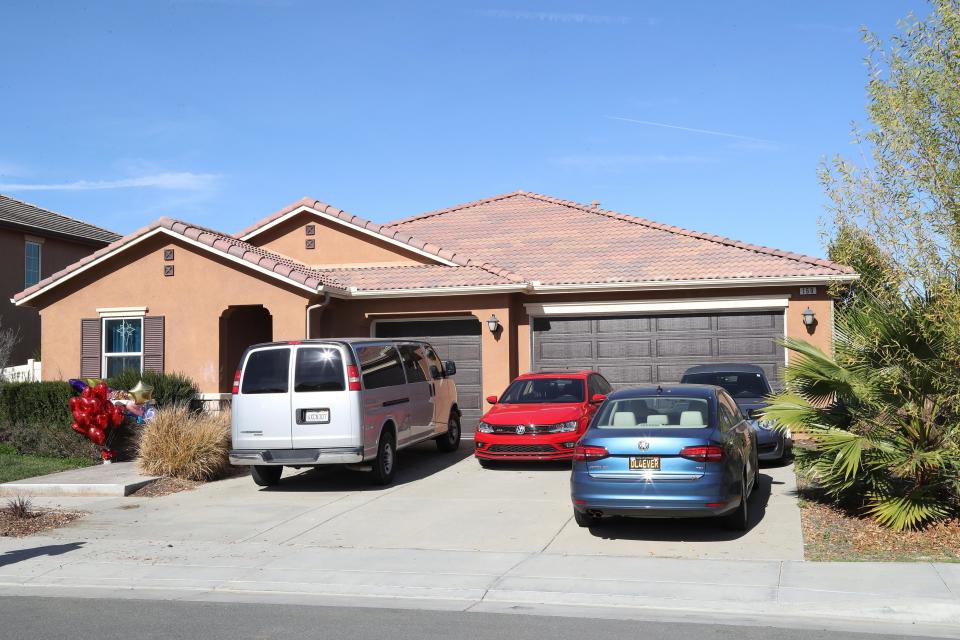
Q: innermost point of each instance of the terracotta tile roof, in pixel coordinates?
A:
(283, 266)
(383, 230)
(426, 276)
(28, 216)
(555, 241)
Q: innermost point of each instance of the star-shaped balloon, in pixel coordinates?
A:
(142, 392)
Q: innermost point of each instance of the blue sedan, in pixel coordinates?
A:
(671, 451)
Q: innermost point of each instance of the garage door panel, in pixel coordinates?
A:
(624, 349)
(566, 350)
(467, 376)
(688, 347)
(684, 323)
(751, 321)
(459, 352)
(627, 375)
(631, 350)
(747, 347)
(623, 325)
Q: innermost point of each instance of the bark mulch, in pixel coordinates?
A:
(35, 521)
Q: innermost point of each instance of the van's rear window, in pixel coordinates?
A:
(318, 370)
(267, 371)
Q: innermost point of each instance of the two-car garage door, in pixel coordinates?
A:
(637, 349)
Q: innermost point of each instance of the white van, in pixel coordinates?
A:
(351, 401)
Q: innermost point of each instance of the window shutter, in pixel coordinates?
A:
(153, 344)
(90, 346)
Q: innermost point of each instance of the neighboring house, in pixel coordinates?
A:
(35, 243)
(564, 284)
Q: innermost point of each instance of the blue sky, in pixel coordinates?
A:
(707, 115)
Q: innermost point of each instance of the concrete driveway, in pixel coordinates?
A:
(439, 502)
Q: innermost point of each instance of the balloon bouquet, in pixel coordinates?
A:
(98, 411)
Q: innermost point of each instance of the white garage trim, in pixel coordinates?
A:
(655, 306)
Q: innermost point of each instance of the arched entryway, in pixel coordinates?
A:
(240, 327)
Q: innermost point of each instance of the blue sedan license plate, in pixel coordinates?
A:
(644, 463)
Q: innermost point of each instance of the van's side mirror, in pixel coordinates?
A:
(435, 373)
(449, 368)
(598, 398)
(492, 399)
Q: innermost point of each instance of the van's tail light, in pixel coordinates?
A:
(353, 378)
(584, 453)
(236, 382)
(709, 453)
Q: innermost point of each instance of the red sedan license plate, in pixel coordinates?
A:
(644, 463)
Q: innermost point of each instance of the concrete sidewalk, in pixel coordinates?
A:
(102, 480)
(918, 598)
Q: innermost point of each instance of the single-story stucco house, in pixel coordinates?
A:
(569, 285)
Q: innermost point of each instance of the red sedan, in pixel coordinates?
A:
(540, 416)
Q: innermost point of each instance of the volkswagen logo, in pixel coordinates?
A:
(521, 429)
(643, 445)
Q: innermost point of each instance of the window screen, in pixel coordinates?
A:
(267, 371)
(380, 366)
(318, 370)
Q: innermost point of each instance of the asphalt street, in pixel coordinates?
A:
(34, 618)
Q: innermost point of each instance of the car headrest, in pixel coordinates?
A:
(657, 420)
(691, 419)
(624, 419)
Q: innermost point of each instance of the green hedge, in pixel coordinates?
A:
(35, 416)
(36, 420)
(168, 388)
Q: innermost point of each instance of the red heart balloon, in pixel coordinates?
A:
(116, 416)
(86, 403)
(97, 435)
(87, 392)
(102, 420)
(78, 428)
(73, 403)
(101, 391)
(82, 418)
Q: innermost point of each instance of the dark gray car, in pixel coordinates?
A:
(748, 386)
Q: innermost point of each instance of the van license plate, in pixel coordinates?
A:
(316, 416)
(644, 463)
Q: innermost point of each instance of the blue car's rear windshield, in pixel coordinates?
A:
(544, 390)
(655, 412)
(737, 384)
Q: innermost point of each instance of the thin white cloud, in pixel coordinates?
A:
(709, 132)
(174, 181)
(620, 161)
(552, 16)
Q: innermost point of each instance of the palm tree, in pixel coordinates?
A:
(883, 412)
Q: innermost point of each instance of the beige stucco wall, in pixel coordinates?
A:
(336, 245)
(55, 254)
(191, 301)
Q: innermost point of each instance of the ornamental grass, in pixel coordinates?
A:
(180, 443)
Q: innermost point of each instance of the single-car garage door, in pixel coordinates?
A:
(457, 340)
(630, 350)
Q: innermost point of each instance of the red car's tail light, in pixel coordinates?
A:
(709, 453)
(584, 453)
(236, 382)
(353, 377)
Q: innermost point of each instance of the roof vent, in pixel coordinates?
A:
(595, 204)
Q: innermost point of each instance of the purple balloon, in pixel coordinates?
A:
(78, 385)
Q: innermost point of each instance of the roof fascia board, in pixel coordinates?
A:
(350, 225)
(654, 306)
(433, 292)
(692, 284)
(177, 236)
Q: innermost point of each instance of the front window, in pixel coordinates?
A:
(654, 412)
(31, 264)
(544, 390)
(122, 345)
(738, 385)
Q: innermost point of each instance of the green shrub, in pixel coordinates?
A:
(35, 419)
(168, 388)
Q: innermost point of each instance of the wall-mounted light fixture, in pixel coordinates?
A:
(809, 318)
(493, 324)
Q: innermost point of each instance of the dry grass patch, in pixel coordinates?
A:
(185, 444)
(18, 518)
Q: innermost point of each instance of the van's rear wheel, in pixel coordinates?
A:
(450, 441)
(386, 461)
(266, 475)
